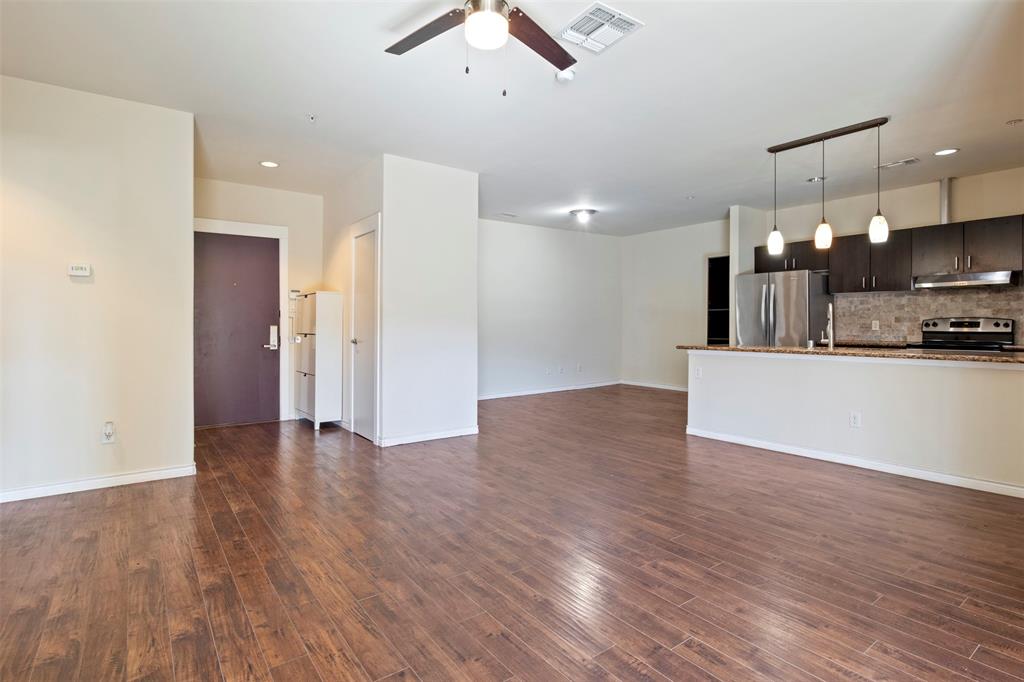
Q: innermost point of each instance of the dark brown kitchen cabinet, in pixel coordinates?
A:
(803, 256)
(765, 262)
(891, 263)
(794, 256)
(993, 244)
(849, 264)
(937, 250)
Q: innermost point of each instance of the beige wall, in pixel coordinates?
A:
(428, 301)
(302, 214)
(108, 182)
(664, 299)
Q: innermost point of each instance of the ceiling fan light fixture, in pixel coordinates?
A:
(487, 24)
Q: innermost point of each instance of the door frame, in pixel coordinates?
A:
(285, 384)
(361, 230)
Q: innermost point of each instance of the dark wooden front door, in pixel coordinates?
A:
(237, 379)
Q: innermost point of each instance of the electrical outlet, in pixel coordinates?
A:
(579, 367)
(855, 420)
(698, 373)
(561, 370)
(547, 371)
(874, 325)
(108, 433)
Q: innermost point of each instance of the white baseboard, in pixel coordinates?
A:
(346, 424)
(899, 470)
(556, 389)
(97, 482)
(664, 387)
(420, 437)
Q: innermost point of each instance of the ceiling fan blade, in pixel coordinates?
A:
(435, 28)
(534, 37)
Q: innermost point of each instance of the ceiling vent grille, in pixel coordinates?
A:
(599, 27)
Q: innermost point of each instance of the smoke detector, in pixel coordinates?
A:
(599, 27)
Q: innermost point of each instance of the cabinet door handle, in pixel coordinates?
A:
(863, 282)
(956, 262)
(872, 281)
(968, 262)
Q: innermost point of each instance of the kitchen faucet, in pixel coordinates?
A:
(828, 330)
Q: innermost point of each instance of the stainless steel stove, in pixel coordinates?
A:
(965, 334)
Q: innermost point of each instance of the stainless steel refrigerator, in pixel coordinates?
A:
(781, 308)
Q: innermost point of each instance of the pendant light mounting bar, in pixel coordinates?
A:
(829, 135)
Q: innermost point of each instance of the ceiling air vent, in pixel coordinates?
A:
(599, 27)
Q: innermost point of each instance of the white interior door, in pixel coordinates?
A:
(364, 336)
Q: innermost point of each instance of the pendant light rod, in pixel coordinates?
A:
(775, 189)
(823, 181)
(878, 168)
(831, 134)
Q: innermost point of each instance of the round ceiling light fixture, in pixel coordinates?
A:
(487, 24)
(582, 215)
(268, 164)
(947, 152)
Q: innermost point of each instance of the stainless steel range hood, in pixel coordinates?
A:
(963, 279)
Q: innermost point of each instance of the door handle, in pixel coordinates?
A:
(794, 262)
(956, 262)
(968, 262)
(273, 338)
(863, 282)
(764, 297)
(353, 342)
(872, 281)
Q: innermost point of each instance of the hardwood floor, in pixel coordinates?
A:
(581, 536)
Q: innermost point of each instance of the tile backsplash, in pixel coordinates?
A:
(899, 314)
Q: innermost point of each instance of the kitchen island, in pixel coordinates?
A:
(950, 418)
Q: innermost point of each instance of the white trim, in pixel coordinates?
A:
(285, 385)
(556, 389)
(97, 482)
(806, 355)
(911, 472)
(664, 387)
(420, 437)
(378, 408)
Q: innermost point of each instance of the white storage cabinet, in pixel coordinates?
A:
(318, 356)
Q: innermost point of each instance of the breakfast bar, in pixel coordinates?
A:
(951, 418)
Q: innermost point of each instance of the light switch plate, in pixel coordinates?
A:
(79, 270)
(874, 325)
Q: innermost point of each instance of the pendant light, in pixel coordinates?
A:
(823, 235)
(878, 229)
(775, 240)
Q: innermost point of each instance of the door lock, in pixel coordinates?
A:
(273, 338)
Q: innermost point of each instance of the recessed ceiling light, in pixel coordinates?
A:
(817, 179)
(1015, 121)
(268, 164)
(947, 152)
(582, 215)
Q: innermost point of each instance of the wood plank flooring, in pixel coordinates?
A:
(581, 536)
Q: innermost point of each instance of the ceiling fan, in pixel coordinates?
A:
(488, 25)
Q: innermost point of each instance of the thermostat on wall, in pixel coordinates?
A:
(79, 270)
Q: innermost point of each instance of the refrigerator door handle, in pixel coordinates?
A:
(771, 314)
(764, 297)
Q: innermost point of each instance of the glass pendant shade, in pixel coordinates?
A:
(878, 230)
(775, 242)
(486, 29)
(823, 235)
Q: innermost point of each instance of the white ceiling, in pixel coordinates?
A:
(684, 107)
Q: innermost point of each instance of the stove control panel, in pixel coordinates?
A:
(968, 324)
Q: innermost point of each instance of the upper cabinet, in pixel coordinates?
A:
(849, 264)
(891, 262)
(794, 256)
(993, 244)
(975, 246)
(803, 256)
(937, 250)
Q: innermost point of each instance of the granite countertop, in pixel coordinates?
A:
(879, 351)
